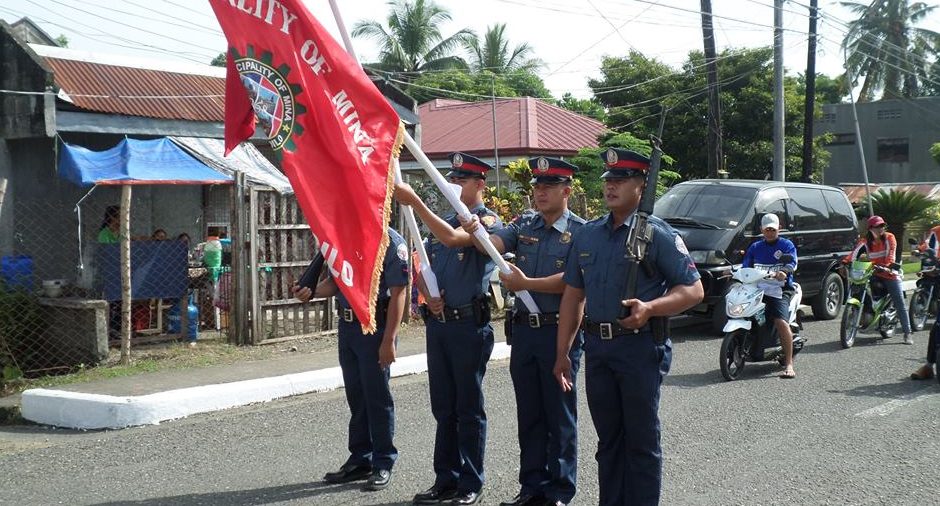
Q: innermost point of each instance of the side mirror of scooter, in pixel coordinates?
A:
(785, 259)
(911, 241)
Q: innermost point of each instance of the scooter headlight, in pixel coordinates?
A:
(736, 310)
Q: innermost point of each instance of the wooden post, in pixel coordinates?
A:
(238, 330)
(125, 237)
(257, 334)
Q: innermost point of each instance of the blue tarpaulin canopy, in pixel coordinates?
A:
(132, 161)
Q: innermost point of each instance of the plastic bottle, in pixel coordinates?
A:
(212, 256)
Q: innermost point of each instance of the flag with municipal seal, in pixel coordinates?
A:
(332, 130)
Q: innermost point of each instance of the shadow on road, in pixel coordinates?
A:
(752, 371)
(894, 390)
(282, 493)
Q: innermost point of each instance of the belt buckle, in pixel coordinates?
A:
(607, 331)
(348, 315)
(441, 317)
(535, 320)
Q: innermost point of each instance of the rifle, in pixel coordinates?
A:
(641, 233)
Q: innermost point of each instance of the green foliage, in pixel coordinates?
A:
(218, 61)
(635, 89)
(21, 325)
(506, 202)
(475, 86)
(411, 40)
(935, 152)
(899, 209)
(585, 107)
(62, 40)
(493, 53)
(886, 49)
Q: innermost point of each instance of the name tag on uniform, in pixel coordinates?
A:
(528, 239)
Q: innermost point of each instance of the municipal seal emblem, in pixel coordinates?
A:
(273, 97)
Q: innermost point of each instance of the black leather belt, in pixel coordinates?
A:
(449, 313)
(535, 320)
(347, 315)
(609, 330)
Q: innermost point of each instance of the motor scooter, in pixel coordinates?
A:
(868, 307)
(749, 337)
(924, 299)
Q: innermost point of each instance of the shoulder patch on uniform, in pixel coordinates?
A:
(402, 252)
(680, 245)
(488, 220)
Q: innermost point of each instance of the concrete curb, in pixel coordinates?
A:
(77, 410)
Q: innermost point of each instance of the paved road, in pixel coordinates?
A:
(851, 429)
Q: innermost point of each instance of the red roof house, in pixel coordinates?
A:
(525, 127)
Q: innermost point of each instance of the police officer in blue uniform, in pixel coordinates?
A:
(459, 336)
(626, 359)
(365, 360)
(547, 417)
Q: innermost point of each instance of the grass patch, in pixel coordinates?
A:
(911, 267)
(148, 358)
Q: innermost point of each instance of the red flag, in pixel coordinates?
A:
(332, 128)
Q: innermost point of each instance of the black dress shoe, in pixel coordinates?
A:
(348, 473)
(525, 500)
(379, 479)
(436, 495)
(466, 498)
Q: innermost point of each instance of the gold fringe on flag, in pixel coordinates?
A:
(386, 216)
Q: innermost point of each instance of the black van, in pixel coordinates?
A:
(720, 218)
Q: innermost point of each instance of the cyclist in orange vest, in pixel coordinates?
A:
(880, 246)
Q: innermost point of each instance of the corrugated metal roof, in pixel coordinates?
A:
(523, 126)
(143, 92)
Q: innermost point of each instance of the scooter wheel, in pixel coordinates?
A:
(732, 359)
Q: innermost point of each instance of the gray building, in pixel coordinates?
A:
(896, 136)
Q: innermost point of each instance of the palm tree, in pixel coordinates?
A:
(412, 40)
(899, 208)
(886, 48)
(494, 54)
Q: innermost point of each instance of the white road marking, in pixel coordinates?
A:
(896, 404)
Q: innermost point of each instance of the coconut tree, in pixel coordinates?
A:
(493, 53)
(411, 40)
(886, 49)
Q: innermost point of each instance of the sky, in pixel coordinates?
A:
(570, 36)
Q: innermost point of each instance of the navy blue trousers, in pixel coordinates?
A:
(372, 424)
(457, 355)
(622, 380)
(547, 417)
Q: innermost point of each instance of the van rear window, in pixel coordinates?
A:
(721, 206)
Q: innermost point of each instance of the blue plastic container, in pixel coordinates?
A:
(17, 272)
(173, 320)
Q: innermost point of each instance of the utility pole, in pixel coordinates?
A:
(495, 139)
(779, 152)
(714, 106)
(810, 94)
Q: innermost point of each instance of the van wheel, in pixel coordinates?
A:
(829, 300)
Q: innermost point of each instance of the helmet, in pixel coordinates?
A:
(875, 221)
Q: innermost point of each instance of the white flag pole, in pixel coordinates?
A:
(430, 280)
(453, 197)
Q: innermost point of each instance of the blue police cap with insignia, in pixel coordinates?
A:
(464, 165)
(551, 170)
(624, 163)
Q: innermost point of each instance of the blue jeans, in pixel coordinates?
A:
(893, 286)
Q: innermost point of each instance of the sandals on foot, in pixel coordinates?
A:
(789, 373)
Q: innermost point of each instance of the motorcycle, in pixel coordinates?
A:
(869, 307)
(748, 336)
(924, 301)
